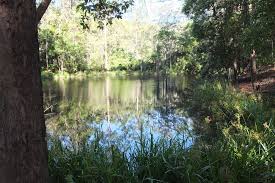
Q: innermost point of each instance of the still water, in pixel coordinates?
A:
(120, 110)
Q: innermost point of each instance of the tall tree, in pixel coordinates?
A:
(23, 147)
(232, 32)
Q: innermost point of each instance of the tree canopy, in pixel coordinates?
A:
(228, 31)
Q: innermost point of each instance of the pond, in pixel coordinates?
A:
(118, 110)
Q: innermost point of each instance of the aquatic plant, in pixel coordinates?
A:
(234, 143)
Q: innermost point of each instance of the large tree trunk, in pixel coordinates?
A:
(23, 149)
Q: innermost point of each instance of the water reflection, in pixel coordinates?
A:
(123, 110)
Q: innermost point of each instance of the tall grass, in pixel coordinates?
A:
(243, 125)
(148, 161)
(235, 143)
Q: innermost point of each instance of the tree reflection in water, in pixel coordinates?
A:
(119, 111)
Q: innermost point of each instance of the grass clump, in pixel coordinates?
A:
(242, 126)
(234, 143)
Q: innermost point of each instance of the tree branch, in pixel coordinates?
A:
(42, 9)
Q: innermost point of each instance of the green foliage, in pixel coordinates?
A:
(175, 50)
(60, 48)
(66, 47)
(102, 10)
(235, 132)
(220, 38)
(243, 126)
(121, 60)
(238, 148)
(228, 31)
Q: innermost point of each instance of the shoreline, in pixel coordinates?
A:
(81, 75)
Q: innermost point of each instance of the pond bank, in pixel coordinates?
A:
(234, 134)
(95, 74)
(238, 128)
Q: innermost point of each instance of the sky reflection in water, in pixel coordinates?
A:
(124, 110)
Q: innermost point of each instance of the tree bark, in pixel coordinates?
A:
(235, 69)
(253, 69)
(272, 50)
(106, 60)
(43, 6)
(23, 148)
(47, 57)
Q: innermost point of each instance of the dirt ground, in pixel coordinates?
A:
(265, 81)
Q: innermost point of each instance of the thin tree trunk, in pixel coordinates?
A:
(106, 62)
(62, 65)
(157, 64)
(158, 87)
(47, 57)
(235, 69)
(23, 149)
(138, 45)
(229, 74)
(272, 52)
(253, 68)
(272, 49)
(170, 61)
